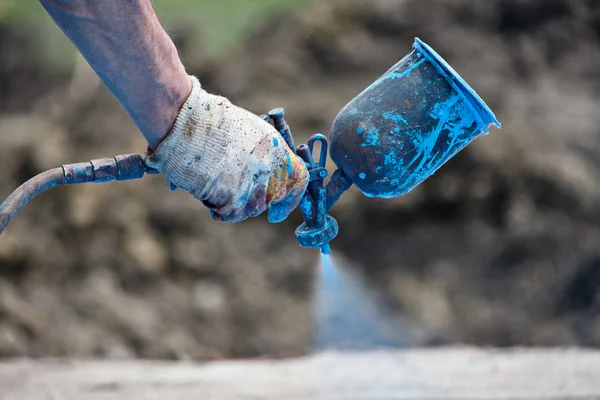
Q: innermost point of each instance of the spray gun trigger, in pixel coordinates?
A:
(324, 148)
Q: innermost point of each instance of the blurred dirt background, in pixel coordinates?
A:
(499, 248)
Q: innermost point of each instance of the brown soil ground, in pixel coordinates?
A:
(500, 247)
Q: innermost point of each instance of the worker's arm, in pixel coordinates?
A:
(127, 47)
(225, 156)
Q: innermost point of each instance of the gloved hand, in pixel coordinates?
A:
(231, 160)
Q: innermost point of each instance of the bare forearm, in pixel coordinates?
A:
(127, 47)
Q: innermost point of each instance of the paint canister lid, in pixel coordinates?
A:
(482, 110)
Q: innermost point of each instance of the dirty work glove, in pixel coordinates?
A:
(231, 160)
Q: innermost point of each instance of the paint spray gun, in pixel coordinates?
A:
(386, 141)
(319, 228)
(389, 138)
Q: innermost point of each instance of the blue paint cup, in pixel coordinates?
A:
(407, 124)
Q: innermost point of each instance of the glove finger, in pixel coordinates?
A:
(290, 183)
(216, 216)
(253, 206)
(229, 218)
(279, 211)
(232, 216)
(259, 204)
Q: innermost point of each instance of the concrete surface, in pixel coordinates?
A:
(460, 373)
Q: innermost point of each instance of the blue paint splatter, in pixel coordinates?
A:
(195, 159)
(398, 75)
(371, 138)
(306, 207)
(360, 130)
(275, 142)
(454, 126)
(289, 169)
(392, 116)
(362, 175)
(392, 160)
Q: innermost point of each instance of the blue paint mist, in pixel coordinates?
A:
(349, 315)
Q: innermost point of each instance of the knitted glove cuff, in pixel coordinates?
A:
(197, 142)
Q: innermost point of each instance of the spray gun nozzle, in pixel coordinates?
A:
(318, 237)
